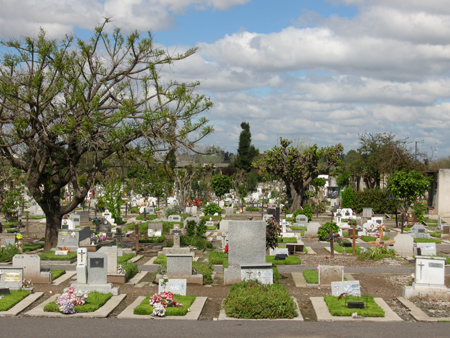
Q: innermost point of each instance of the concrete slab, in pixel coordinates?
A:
(194, 314)
(299, 318)
(22, 305)
(299, 279)
(137, 278)
(61, 279)
(310, 251)
(418, 314)
(103, 312)
(150, 261)
(324, 315)
(135, 258)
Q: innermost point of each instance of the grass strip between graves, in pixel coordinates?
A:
(32, 247)
(296, 227)
(287, 240)
(50, 256)
(159, 239)
(57, 273)
(290, 260)
(252, 300)
(161, 259)
(146, 309)
(8, 301)
(124, 258)
(94, 301)
(338, 307)
(311, 276)
(426, 240)
(349, 250)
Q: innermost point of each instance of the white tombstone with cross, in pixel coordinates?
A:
(82, 265)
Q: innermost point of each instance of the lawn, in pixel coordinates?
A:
(426, 240)
(146, 309)
(8, 301)
(94, 301)
(349, 250)
(338, 307)
(290, 260)
(50, 256)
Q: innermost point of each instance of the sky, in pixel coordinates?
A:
(321, 71)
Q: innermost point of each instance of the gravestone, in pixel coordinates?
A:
(210, 224)
(330, 273)
(11, 277)
(97, 268)
(429, 279)
(111, 253)
(350, 288)
(247, 253)
(155, 229)
(180, 266)
(404, 245)
(346, 213)
(419, 231)
(274, 212)
(84, 216)
(7, 239)
(72, 239)
(175, 285)
(176, 248)
(104, 226)
(31, 265)
(82, 265)
(283, 224)
(367, 212)
(229, 211)
(301, 220)
(312, 229)
(426, 249)
(174, 218)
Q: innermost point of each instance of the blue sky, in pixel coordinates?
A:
(312, 71)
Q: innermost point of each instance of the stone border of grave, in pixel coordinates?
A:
(418, 314)
(300, 281)
(324, 315)
(22, 305)
(299, 318)
(102, 312)
(193, 314)
(61, 279)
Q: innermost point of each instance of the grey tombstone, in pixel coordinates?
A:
(104, 226)
(31, 265)
(111, 252)
(223, 225)
(367, 212)
(175, 285)
(350, 288)
(71, 238)
(312, 229)
(330, 273)
(301, 220)
(419, 231)
(84, 216)
(179, 265)
(7, 239)
(229, 211)
(174, 218)
(176, 238)
(97, 268)
(155, 229)
(404, 245)
(11, 277)
(426, 249)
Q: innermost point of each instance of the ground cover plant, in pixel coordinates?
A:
(376, 253)
(131, 269)
(148, 217)
(372, 239)
(349, 250)
(252, 300)
(338, 307)
(287, 239)
(8, 252)
(124, 258)
(146, 309)
(435, 234)
(57, 273)
(311, 276)
(8, 301)
(50, 256)
(32, 247)
(205, 268)
(290, 260)
(93, 302)
(296, 227)
(217, 257)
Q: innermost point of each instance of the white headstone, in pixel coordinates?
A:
(404, 245)
(427, 249)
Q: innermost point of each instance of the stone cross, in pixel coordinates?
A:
(421, 266)
(176, 238)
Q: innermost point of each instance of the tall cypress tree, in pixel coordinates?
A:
(246, 151)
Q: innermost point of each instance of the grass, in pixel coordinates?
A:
(159, 239)
(50, 256)
(149, 217)
(146, 309)
(287, 240)
(290, 260)
(211, 227)
(349, 250)
(426, 240)
(57, 273)
(32, 247)
(94, 301)
(296, 227)
(217, 257)
(251, 300)
(337, 307)
(435, 234)
(124, 258)
(372, 239)
(311, 276)
(214, 218)
(8, 301)
(161, 259)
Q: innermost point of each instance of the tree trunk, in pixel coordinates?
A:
(54, 219)
(296, 199)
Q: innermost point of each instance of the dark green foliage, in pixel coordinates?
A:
(347, 198)
(252, 182)
(205, 268)
(342, 179)
(273, 231)
(376, 199)
(199, 242)
(211, 209)
(159, 239)
(305, 211)
(146, 309)
(337, 307)
(8, 252)
(418, 209)
(94, 301)
(246, 151)
(190, 228)
(131, 269)
(57, 273)
(8, 301)
(220, 184)
(251, 300)
(50, 256)
(167, 226)
(252, 209)
(324, 230)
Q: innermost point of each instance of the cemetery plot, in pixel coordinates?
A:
(338, 306)
(11, 298)
(93, 302)
(144, 308)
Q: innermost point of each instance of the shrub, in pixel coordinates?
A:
(8, 252)
(199, 242)
(131, 269)
(211, 209)
(324, 230)
(273, 231)
(251, 300)
(251, 209)
(305, 211)
(376, 253)
(376, 199)
(347, 198)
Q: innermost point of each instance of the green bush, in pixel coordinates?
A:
(305, 211)
(8, 301)
(324, 230)
(251, 300)
(205, 268)
(198, 242)
(94, 301)
(347, 198)
(376, 199)
(57, 273)
(376, 253)
(338, 307)
(8, 252)
(146, 309)
(159, 239)
(131, 269)
(211, 209)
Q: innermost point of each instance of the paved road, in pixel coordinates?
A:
(106, 328)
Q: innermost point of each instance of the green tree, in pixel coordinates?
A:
(66, 106)
(298, 168)
(220, 184)
(246, 151)
(11, 189)
(408, 186)
(113, 193)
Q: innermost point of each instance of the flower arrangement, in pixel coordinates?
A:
(69, 299)
(225, 249)
(98, 237)
(161, 301)
(26, 283)
(65, 249)
(19, 236)
(381, 226)
(96, 221)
